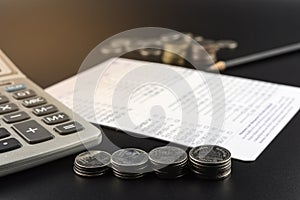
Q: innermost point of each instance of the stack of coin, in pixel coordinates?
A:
(168, 161)
(92, 163)
(129, 163)
(210, 162)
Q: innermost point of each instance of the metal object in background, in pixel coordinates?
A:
(222, 65)
(181, 47)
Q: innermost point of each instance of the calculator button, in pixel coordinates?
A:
(68, 128)
(4, 133)
(35, 101)
(16, 117)
(3, 99)
(56, 118)
(44, 110)
(9, 144)
(23, 94)
(32, 132)
(13, 88)
(7, 108)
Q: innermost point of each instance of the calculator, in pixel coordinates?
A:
(34, 127)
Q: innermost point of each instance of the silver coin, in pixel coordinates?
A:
(174, 171)
(219, 176)
(199, 164)
(167, 155)
(128, 177)
(102, 170)
(93, 159)
(169, 176)
(130, 169)
(129, 157)
(127, 173)
(80, 173)
(210, 172)
(170, 167)
(201, 167)
(210, 154)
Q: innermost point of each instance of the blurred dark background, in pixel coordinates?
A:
(51, 38)
(48, 40)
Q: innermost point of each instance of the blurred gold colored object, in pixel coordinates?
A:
(171, 48)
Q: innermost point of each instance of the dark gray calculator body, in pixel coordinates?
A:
(34, 127)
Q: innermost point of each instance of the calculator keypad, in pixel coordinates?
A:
(23, 94)
(4, 133)
(44, 110)
(56, 118)
(32, 132)
(68, 128)
(7, 108)
(3, 99)
(35, 101)
(27, 127)
(9, 144)
(16, 87)
(16, 117)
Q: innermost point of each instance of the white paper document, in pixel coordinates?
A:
(180, 105)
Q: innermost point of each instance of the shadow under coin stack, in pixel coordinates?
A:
(129, 163)
(168, 162)
(92, 163)
(210, 162)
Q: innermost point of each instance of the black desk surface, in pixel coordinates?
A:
(49, 39)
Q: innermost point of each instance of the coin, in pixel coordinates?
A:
(129, 163)
(129, 157)
(217, 176)
(210, 154)
(169, 176)
(210, 162)
(167, 155)
(92, 163)
(86, 173)
(168, 161)
(128, 175)
(93, 159)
